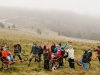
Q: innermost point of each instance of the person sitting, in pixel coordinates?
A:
(11, 58)
(5, 56)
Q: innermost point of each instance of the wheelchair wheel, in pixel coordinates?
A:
(26, 59)
(5, 65)
(22, 52)
(23, 60)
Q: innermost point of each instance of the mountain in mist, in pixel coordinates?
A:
(66, 23)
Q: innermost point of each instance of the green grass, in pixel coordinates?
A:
(10, 37)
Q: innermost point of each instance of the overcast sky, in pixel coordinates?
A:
(80, 6)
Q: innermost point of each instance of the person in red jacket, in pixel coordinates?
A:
(5, 56)
(98, 52)
(47, 56)
(59, 53)
(4, 53)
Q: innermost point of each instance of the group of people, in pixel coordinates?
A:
(49, 54)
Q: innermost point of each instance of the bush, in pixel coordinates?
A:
(39, 31)
(13, 26)
(2, 25)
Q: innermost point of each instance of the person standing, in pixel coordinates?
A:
(53, 47)
(40, 52)
(47, 56)
(71, 57)
(98, 52)
(60, 46)
(34, 53)
(17, 51)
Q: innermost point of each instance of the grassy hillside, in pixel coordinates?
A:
(64, 22)
(11, 36)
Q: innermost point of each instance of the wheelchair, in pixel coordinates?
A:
(6, 63)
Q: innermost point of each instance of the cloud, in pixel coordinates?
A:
(79, 6)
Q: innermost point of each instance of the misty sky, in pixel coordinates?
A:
(91, 7)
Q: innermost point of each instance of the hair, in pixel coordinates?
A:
(1, 48)
(34, 43)
(53, 43)
(59, 44)
(98, 46)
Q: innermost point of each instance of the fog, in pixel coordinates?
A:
(90, 7)
(72, 18)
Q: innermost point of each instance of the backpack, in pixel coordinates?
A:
(87, 56)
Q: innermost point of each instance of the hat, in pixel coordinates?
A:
(70, 45)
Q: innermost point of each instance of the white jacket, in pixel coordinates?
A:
(70, 53)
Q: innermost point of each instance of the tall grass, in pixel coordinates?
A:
(10, 37)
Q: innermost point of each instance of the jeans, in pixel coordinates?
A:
(85, 66)
(81, 61)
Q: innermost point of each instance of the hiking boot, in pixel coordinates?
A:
(28, 65)
(21, 61)
(79, 64)
(71, 68)
(61, 66)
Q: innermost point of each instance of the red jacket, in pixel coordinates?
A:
(4, 53)
(46, 47)
(98, 51)
(59, 53)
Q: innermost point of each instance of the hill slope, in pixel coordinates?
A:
(67, 23)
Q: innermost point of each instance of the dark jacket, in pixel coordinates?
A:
(35, 49)
(85, 58)
(17, 48)
(53, 48)
(40, 50)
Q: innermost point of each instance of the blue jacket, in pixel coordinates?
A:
(61, 47)
(35, 49)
